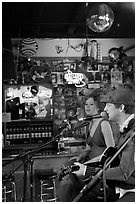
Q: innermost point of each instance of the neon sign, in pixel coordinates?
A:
(75, 78)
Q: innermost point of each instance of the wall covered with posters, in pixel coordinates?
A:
(73, 68)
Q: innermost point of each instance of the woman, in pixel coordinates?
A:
(99, 136)
(99, 133)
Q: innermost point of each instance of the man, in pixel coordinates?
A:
(120, 108)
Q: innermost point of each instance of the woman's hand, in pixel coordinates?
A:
(81, 158)
(77, 159)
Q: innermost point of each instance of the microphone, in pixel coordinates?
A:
(102, 115)
(70, 118)
(67, 122)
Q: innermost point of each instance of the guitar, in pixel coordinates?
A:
(130, 135)
(108, 152)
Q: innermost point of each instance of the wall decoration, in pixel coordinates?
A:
(116, 78)
(92, 67)
(59, 49)
(128, 74)
(28, 47)
(74, 78)
(57, 78)
(105, 74)
(93, 77)
(39, 73)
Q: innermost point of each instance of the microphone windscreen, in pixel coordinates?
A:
(104, 115)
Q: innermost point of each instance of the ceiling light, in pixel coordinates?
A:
(100, 18)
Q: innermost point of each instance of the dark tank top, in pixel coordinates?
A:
(96, 142)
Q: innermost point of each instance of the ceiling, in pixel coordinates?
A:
(63, 20)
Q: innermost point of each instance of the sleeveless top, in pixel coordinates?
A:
(97, 141)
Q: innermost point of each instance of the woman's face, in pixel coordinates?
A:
(90, 106)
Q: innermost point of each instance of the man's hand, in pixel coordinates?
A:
(81, 171)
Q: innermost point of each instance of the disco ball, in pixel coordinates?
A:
(100, 18)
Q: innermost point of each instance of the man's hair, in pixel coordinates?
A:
(129, 109)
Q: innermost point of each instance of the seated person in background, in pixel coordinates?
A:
(99, 136)
(120, 108)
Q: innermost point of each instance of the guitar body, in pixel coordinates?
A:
(70, 167)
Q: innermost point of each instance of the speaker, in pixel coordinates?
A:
(8, 66)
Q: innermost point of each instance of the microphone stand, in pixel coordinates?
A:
(86, 188)
(28, 164)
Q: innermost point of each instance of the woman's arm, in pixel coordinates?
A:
(82, 157)
(108, 133)
(85, 154)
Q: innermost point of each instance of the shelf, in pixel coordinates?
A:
(28, 132)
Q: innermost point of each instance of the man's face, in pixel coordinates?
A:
(112, 112)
